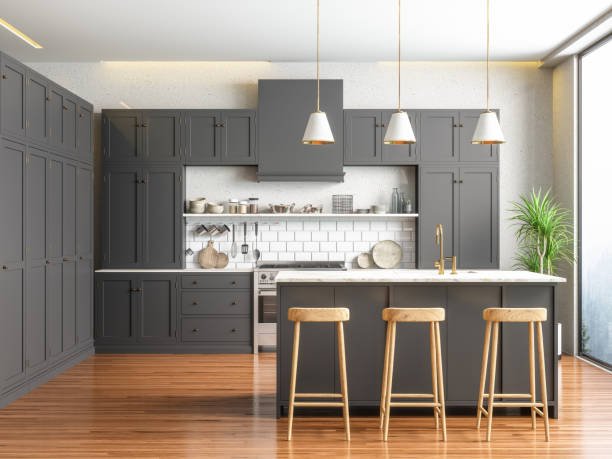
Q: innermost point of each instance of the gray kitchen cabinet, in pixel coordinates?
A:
(12, 97)
(69, 123)
(53, 208)
(238, 137)
(69, 211)
(116, 309)
(467, 151)
(69, 303)
(161, 137)
(12, 326)
(55, 116)
(121, 135)
(84, 296)
(439, 135)
(35, 326)
(202, 138)
(283, 111)
(36, 218)
(142, 208)
(156, 316)
(465, 201)
(84, 211)
(85, 133)
(364, 132)
(37, 93)
(12, 203)
(53, 308)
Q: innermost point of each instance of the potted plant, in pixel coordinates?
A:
(544, 232)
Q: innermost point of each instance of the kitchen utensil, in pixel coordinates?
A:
(200, 230)
(281, 208)
(212, 230)
(214, 208)
(234, 249)
(256, 252)
(222, 261)
(364, 260)
(387, 254)
(208, 256)
(244, 249)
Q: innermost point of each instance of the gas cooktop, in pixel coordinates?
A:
(303, 265)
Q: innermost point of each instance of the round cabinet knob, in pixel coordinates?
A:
(233, 282)
(234, 330)
(195, 330)
(195, 303)
(4, 267)
(194, 283)
(263, 276)
(234, 303)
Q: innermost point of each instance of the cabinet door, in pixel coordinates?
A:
(69, 124)
(36, 96)
(55, 116)
(36, 189)
(121, 135)
(12, 358)
(466, 339)
(439, 139)
(467, 151)
(157, 309)
(36, 340)
(69, 294)
(412, 372)
(13, 97)
(162, 208)
(115, 310)
(437, 204)
(202, 137)
(400, 154)
(12, 174)
(161, 135)
(85, 133)
(84, 212)
(53, 310)
(238, 137)
(69, 211)
(362, 137)
(478, 220)
(122, 218)
(84, 312)
(54, 208)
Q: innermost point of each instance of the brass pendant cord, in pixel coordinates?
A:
(399, 55)
(318, 33)
(488, 54)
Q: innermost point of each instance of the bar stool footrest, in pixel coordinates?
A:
(313, 395)
(320, 404)
(416, 404)
(411, 396)
(486, 395)
(517, 405)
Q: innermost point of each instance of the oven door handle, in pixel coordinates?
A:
(266, 293)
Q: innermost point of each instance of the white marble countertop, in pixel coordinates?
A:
(186, 270)
(414, 275)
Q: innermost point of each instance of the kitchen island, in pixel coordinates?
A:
(367, 292)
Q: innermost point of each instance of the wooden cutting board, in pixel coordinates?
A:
(208, 256)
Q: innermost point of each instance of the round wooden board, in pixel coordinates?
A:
(387, 254)
(364, 260)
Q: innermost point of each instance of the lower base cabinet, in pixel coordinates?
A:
(173, 313)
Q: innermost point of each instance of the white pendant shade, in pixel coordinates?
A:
(488, 130)
(399, 131)
(317, 130)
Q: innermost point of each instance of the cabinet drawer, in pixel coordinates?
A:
(220, 281)
(216, 302)
(215, 329)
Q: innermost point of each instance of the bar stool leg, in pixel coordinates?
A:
(389, 388)
(434, 372)
(483, 372)
(543, 393)
(383, 389)
(294, 364)
(492, 378)
(343, 382)
(440, 380)
(532, 375)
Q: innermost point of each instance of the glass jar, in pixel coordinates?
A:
(253, 205)
(232, 206)
(243, 207)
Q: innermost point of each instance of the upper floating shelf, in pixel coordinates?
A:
(293, 216)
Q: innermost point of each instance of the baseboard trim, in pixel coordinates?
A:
(173, 349)
(45, 375)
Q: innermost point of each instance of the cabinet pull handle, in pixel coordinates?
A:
(80, 115)
(4, 77)
(195, 330)
(80, 258)
(194, 283)
(460, 181)
(48, 99)
(233, 282)
(4, 267)
(234, 330)
(66, 259)
(455, 125)
(64, 107)
(195, 303)
(460, 125)
(47, 262)
(234, 303)
(144, 125)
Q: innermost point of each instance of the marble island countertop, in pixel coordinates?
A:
(415, 275)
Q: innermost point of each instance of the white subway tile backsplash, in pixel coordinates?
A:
(327, 246)
(278, 226)
(311, 247)
(302, 235)
(303, 256)
(378, 226)
(344, 226)
(394, 226)
(311, 226)
(295, 247)
(336, 256)
(361, 226)
(269, 256)
(286, 256)
(335, 236)
(344, 246)
(319, 236)
(295, 226)
(320, 256)
(371, 236)
(286, 236)
(385, 235)
(353, 235)
(327, 226)
(269, 236)
(278, 246)
(362, 246)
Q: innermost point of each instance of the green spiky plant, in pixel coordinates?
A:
(544, 232)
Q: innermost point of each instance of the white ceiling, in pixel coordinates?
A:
(284, 30)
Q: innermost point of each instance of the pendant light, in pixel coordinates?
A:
(317, 130)
(399, 131)
(488, 130)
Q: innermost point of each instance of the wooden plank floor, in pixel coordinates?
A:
(153, 406)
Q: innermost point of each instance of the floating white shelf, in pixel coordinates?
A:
(313, 216)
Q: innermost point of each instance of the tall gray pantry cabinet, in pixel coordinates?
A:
(46, 229)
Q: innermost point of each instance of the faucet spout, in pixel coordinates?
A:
(442, 260)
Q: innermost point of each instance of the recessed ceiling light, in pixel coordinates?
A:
(14, 30)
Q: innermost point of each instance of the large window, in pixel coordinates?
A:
(595, 206)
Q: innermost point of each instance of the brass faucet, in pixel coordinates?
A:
(442, 260)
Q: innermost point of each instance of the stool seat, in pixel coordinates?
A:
(318, 314)
(413, 314)
(514, 314)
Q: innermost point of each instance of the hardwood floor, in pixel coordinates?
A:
(153, 406)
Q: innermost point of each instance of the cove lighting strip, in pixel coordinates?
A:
(14, 30)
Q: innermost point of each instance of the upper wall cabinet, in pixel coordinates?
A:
(219, 137)
(284, 108)
(37, 95)
(12, 96)
(364, 132)
(85, 132)
(446, 136)
(133, 135)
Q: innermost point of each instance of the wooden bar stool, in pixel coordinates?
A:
(434, 316)
(337, 315)
(494, 316)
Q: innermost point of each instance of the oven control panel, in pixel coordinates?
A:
(266, 277)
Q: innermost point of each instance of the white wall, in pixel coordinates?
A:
(565, 126)
(520, 90)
